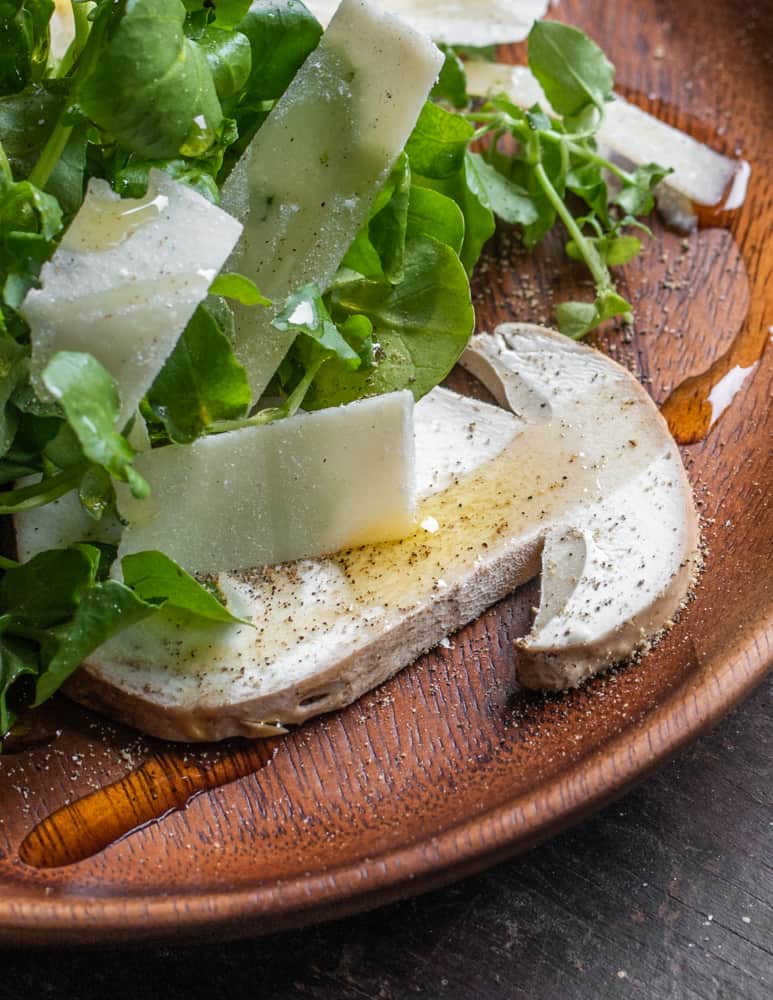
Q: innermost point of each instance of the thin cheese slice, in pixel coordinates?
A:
(306, 183)
(459, 22)
(126, 279)
(59, 524)
(300, 487)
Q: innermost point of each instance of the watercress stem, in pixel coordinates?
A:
(39, 494)
(592, 157)
(267, 416)
(6, 175)
(585, 247)
(52, 150)
(298, 394)
(260, 418)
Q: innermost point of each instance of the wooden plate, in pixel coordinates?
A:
(450, 767)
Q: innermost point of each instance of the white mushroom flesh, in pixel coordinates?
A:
(589, 461)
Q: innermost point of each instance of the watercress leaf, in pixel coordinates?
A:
(572, 69)
(89, 399)
(538, 121)
(357, 331)
(363, 257)
(438, 143)
(131, 180)
(306, 312)
(18, 659)
(229, 58)
(23, 42)
(222, 313)
(6, 174)
(105, 609)
(649, 175)
(67, 179)
(13, 369)
(583, 124)
(239, 288)
(637, 198)
(281, 33)
(431, 213)
(620, 249)
(46, 590)
(15, 465)
(512, 116)
(29, 220)
(420, 327)
(478, 218)
(505, 198)
(149, 85)
(587, 182)
(575, 319)
(387, 225)
(331, 341)
(34, 433)
(451, 85)
(96, 492)
(62, 448)
(26, 120)
(201, 381)
(157, 579)
(228, 13)
(609, 304)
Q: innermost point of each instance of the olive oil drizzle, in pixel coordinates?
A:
(163, 784)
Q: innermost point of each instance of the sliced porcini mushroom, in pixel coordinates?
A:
(701, 176)
(617, 569)
(463, 22)
(327, 630)
(582, 476)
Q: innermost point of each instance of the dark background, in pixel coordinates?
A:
(665, 895)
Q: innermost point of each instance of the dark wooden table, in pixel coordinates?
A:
(665, 895)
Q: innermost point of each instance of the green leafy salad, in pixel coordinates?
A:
(184, 88)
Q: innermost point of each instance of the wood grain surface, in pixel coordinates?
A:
(665, 895)
(450, 766)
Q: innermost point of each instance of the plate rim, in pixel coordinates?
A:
(693, 707)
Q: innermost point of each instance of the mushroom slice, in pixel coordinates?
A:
(616, 570)
(582, 474)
